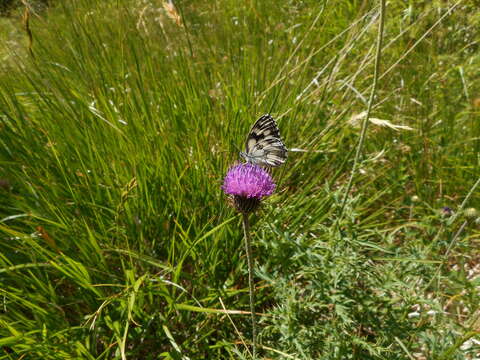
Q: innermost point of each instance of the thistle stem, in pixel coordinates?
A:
(248, 248)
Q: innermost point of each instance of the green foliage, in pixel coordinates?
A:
(7, 7)
(116, 130)
(334, 300)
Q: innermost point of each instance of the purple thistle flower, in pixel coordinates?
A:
(446, 211)
(248, 180)
(248, 183)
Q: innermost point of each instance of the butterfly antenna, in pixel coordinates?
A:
(236, 148)
(231, 128)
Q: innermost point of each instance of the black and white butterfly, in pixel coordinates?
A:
(264, 145)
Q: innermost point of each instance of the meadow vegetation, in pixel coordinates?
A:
(118, 121)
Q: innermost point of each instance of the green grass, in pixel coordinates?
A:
(116, 132)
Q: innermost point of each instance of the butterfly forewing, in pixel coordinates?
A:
(264, 145)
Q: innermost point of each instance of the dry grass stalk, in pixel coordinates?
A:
(172, 12)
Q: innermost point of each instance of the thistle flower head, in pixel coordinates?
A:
(248, 183)
(248, 180)
(446, 211)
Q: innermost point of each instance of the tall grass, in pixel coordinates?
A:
(117, 130)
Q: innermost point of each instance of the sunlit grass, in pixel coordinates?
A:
(117, 241)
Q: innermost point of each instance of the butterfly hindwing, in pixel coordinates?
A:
(264, 145)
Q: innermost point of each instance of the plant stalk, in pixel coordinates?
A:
(363, 132)
(248, 248)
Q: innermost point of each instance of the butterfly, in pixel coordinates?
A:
(264, 145)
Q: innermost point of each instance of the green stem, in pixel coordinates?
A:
(248, 248)
(369, 108)
(464, 203)
(447, 253)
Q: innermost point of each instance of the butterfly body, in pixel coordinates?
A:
(264, 145)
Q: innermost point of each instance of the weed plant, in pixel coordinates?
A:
(118, 121)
